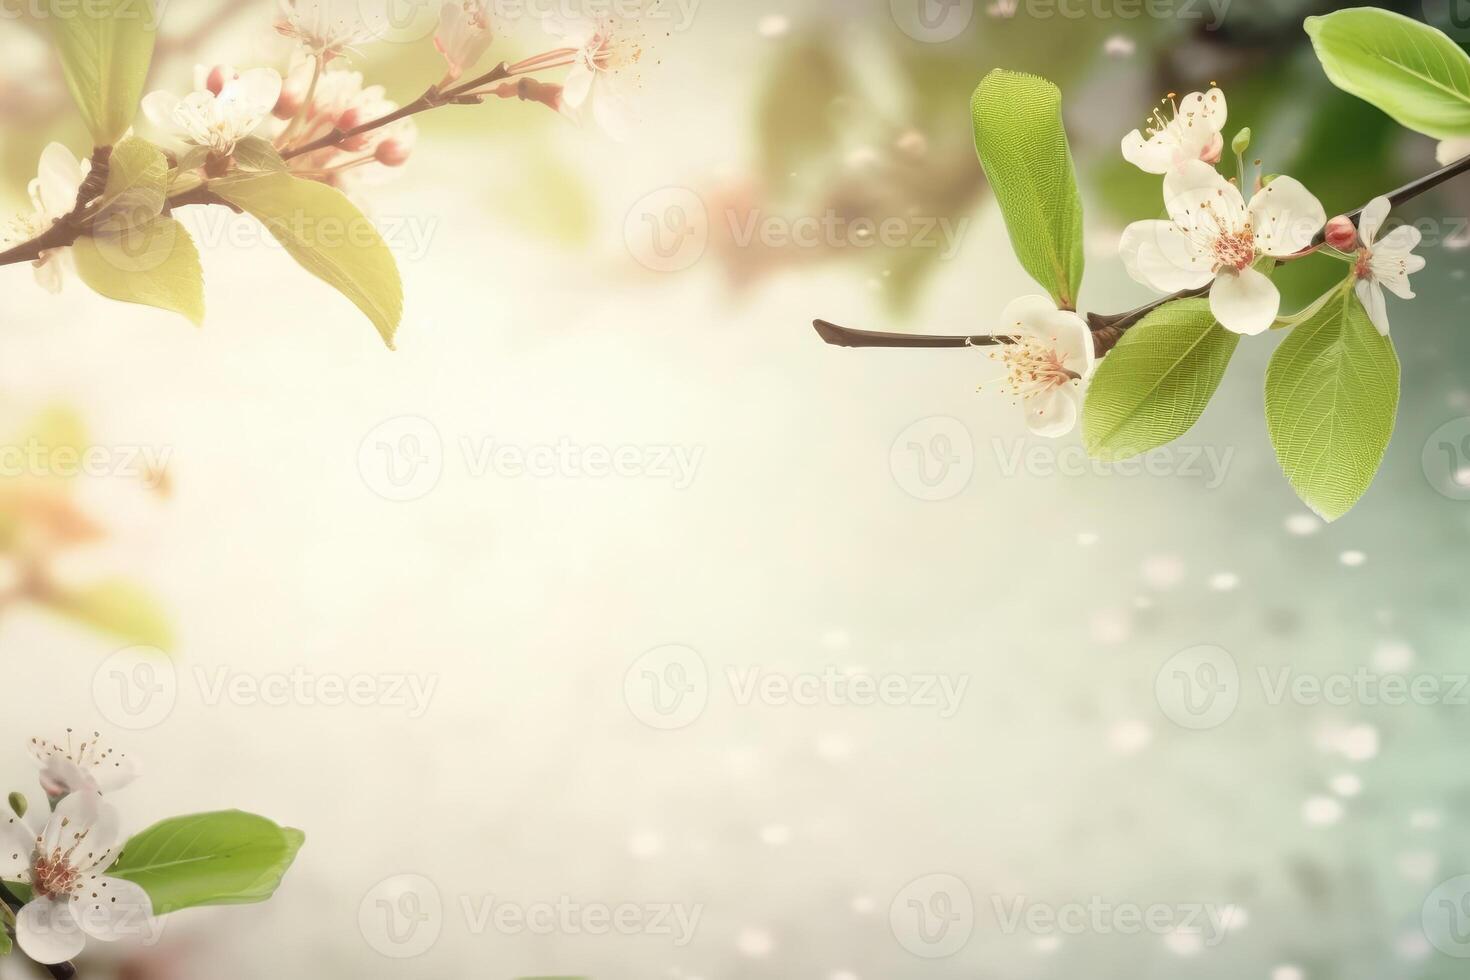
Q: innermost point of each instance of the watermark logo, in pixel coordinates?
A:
(136, 688)
(667, 230)
(933, 916)
(1446, 459)
(1198, 688)
(402, 459)
(1445, 917)
(667, 687)
(401, 917)
(932, 21)
(933, 459)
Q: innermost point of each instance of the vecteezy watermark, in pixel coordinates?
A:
(1207, 464)
(139, 687)
(1445, 917)
(933, 459)
(937, 21)
(409, 236)
(670, 686)
(404, 916)
(37, 459)
(1201, 687)
(933, 916)
(1099, 915)
(403, 459)
(667, 230)
(411, 21)
(129, 10)
(932, 21)
(1446, 459)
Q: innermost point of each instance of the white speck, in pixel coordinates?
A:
(913, 142)
(864, 905)
(1346, 785)
(1418, 866)
(1412, 945)
(1321, 811)
(1462, 476)
(1047, 944)
(1128, 737)
(1358, 743)
(1119, 46)
(1163, 571)
(1110, 626)
(1303, 524)
(1234, 918)
(862, 156)
(1425, 820)
(755, 943)
(773, 25)
(1087, 538)
(1184, 943)
(1352, 558)
(1224, 581)
(645, 844)
(776, 835)
(1391, 656)
(1286, 971)
(1143, 602)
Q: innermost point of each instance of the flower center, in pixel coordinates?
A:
(1363, 265)
(53, 874)
(1033, 367)
(1235, 249)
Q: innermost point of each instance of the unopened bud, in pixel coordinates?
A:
(287, 106)
(1211, 154)
(1242, 142)
(391, 153)
(1341, 234)
(216, 80)
(18, 804)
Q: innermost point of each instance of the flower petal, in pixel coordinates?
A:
(1371, 220)
(1370, 294)
(17, 844)
(1245, 302)
(1159, 254)
(48, 932)
(49, 272)
(577, 86)
(1285, 216)
(1068, 334)
(1451, 150)
(1054, 412)
(85, 822)
(159, 108)
(1198, 198)
(110, 909)
(1399, 242)
(59, 179)
(1151, 156)
(1023, 315)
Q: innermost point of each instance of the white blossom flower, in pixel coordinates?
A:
(1214, 236)
(324, 28)
(1047, 365)
(86, 768)
(1179, 134)
(603, 53)
(53, 196)
(1385, 263)
(217, 119)
(64, 864)
(1451, 150)
(464, 34)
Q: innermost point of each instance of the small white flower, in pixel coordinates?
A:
(1452, 149)
(603, 53)
(86, 768)
(53, 196)
(1214, 236)
(1179, 134)
(464, 34)
(1049, 362)
(217, 120)
(1385, 263)
(63, 863)
(324, 28)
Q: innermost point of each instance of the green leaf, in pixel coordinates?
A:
(137, 184)
(1411, 71)
(328, 236)
(106, 47)
(224, 858)
(1023, 149)
(117, 608)
(154, 263)
(258, 154)
(1332, 391)
(1154, 385)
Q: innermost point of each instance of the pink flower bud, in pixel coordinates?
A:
(216, 80)
(392, 153)
(1211, 154)
(1341, 234)
(288, 105)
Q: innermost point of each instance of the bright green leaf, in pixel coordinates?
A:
(106, 47)
(1154, 385)
(117, 608)
(154, 263)
(328, 236)
(137, 184)
(1023, 149)
(225, 858)
(1332, 392)
(1411, 71)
